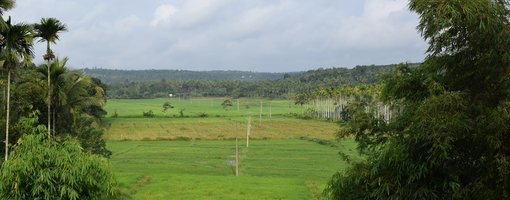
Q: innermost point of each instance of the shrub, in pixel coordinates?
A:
(202, 114)
(115, 114)
(181, 112)
(149, 114)
(42, 168)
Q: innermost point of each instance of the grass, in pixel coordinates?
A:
(220, 123)
(215, 128)
(188, 157)
(193, 107)
(269, 169)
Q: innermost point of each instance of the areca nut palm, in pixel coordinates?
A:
(15, 45)
(4, 6)
(47, 30)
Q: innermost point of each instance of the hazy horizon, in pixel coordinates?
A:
(205, 35)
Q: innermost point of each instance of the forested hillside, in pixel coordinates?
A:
(161, 83)
(115, 75)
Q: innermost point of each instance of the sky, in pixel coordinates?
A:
(248, 35)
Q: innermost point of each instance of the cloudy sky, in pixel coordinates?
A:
(255, 35)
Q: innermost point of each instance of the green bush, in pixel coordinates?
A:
(42, 168)
(149, 114)
(202, 114)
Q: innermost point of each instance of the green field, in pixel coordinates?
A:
(219, 124)
(189, 157)
(269, 169)
(211, 106)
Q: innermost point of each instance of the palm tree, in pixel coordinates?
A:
(4, 6)
(47, 30)
(15, 45)
(73, 93)
(56, 70)
(77, 95)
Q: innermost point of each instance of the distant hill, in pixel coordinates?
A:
(160, 83)
(114, 75)
(339, 76)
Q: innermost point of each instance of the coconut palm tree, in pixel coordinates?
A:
(47, 30)
(73, 93)
(15, 46)
(77, 94)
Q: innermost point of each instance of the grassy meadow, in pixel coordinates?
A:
(200, 169)
(129, 124)
(169, 156)
(193, 107)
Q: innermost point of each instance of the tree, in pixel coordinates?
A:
(53, 72)
(4, 6)
(15, 45)
(43, 168)
(167, 106)
(450, 139)
(226, 104)
(47, 30)
(77, 102)
(75, 95)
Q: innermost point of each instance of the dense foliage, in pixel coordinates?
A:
(76, 99)
(450, 139)
(76, 109)
(142, 84)
(116, 75)
(42, 168)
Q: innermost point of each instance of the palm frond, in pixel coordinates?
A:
(6, 5)
(47, 30)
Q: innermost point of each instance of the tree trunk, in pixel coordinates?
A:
(49, 100)
(8, 111)
(54, 121)
(48, 52)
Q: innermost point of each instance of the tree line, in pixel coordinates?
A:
(285, 87)
(116, 75)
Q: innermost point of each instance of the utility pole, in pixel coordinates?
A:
(238, 104)
(260, 114)
(248, 131)
(270, 110)
(237, 159)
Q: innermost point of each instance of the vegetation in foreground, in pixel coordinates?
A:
(55, 161)
(450, 139)
(46, 168)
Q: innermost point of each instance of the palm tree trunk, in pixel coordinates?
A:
(54, 121)
(8, 111)
(49, 92)
(49, 103)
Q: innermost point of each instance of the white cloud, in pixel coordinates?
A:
(189, 14)
(261, 35)
(163, 14)
(199, 11)
(383, 24)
